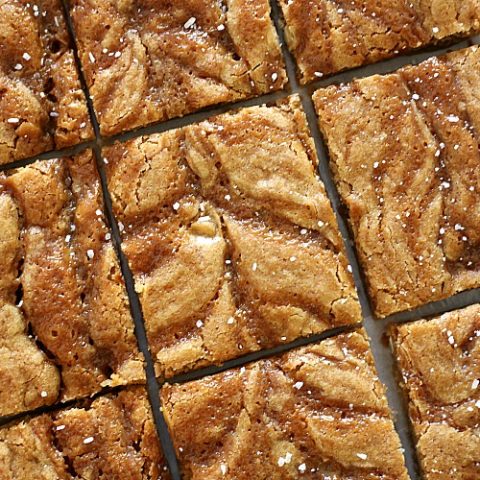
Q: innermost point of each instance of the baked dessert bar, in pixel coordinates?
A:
(326, 37)
(147, 61)
(318, 412)
(112, 437)
(65, 324)
(408, 169)
(230, 236)
(440, 363)
(42, 105)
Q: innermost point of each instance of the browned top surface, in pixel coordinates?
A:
(408, 169)
(440, 362)
(72, 329)
(147, 60)
(230, 236)
(317, 412)
(327, 36)
(42, 106)
(112, 439)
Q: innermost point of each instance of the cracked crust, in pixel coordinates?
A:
(327, 36)
(147, 61)
(440, 363)
(316, 412)
(230, 236)
(112, 438)
(42, 105)
(408, 171)
(71, 331)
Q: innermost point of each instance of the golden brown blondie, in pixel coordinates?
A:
(42, 105)
(232, 240)
(329, 36)
(65, 324)
(440, 363)
(408, 169)
(113, 437)
(318, 412)
(148, 61)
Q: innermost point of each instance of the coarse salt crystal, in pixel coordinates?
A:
(199, 324)
(274, 76)
(26, 56)
(90, 254)
(298, 385)
(58, 428)
(13, 120)
(220, 28)
(190, 22)
(302, 468)
(254, 266)
(362, 456)
(223, 469)
(475, 384)
(88, 440)
(176, 206)
(91, 57)
(43, 394)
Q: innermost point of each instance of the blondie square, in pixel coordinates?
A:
(230, 236)
(42, 105)
(440, 363)
(65, 324)
(318, 412)
(151, 60)
(112, 437)
(326, 37)
(405, 153)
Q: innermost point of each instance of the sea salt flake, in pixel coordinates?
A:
(362, 456)
(298, 385)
